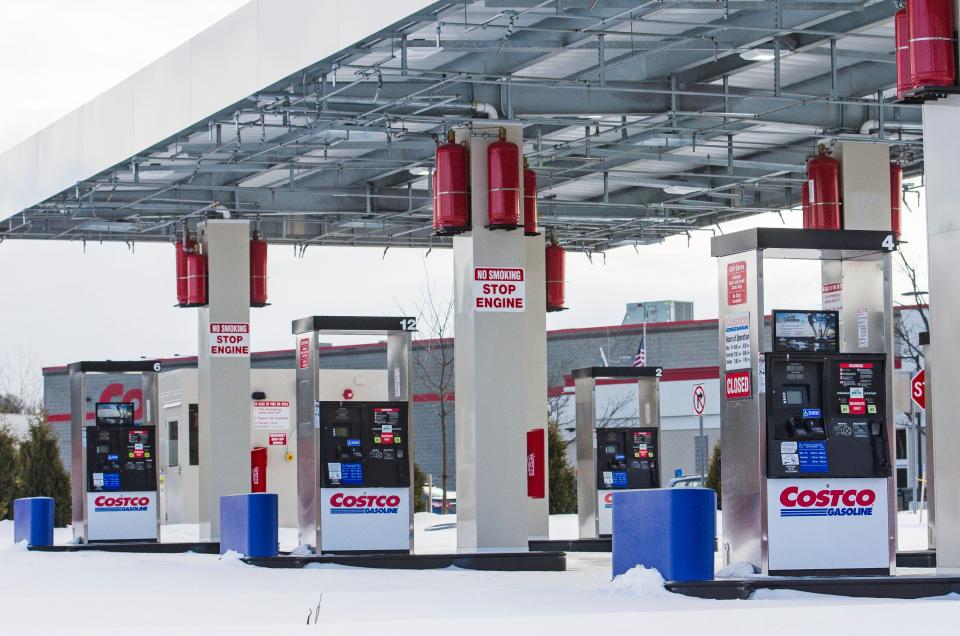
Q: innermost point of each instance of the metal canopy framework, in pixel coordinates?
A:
(642, 119)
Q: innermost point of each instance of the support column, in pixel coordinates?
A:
(491, 379)
(941, 127)
(865, 287)
(224, 380)
(535, 368)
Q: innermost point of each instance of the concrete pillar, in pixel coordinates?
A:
(491, 375)
(224, 380)
(535, 368)
(928, 466)
(941, 128)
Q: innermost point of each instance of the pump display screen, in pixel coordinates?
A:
(341, 431)
(793, 397)
(813, 331)
(114, 413)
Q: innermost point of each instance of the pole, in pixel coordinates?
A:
(702, 451)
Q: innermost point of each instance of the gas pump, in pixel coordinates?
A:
(114, 473)
(354, 457)
(615, 451)
(806, 422)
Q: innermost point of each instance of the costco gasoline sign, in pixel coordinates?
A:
(498, 289)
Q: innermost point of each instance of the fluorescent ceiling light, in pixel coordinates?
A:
(682, 189)
(758, 55)
(420, 171)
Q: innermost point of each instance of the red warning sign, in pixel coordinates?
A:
(277, 439)
(737, 385)
(304, 350)
(229, 339)
(498, 289)
(736, 283)
(918, 389)
(699, 399)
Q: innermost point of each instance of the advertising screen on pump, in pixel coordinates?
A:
(827, 524)
(498, 289)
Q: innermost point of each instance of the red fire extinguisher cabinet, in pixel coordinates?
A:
(258, 469)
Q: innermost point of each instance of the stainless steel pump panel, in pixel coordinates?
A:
(354, 458)
(115, 463)
(615, 455)
(807, 430)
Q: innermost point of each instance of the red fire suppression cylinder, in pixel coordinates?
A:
(258, 271)
(556, 290)
(823, 172)
(181, 247)
(196, 277)
(901, 27)
(503, 178)
(529, 200)
(451, 189)
(931, 43)
(805, 205)
(896, 185)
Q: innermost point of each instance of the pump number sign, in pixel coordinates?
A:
(498, 289)
(229, 339)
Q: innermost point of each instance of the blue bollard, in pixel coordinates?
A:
(248, 524)
(670, 529)
(33, 520)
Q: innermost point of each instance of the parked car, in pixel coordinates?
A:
(688, 481)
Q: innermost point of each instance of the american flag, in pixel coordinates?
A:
(640, 360)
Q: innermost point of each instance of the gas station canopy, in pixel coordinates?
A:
(318, 121)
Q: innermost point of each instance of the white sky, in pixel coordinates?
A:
(61, 304)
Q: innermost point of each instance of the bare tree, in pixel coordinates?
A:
(433, 365)
(20, 381)
(557, 401)
(903, 332)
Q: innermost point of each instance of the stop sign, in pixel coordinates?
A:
(918, 389)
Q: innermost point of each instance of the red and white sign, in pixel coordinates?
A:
(271, 414)
(229, 340)
(736, 283)
(737, 385)
(365, 518)
(498, 289)
(122, 516)
(827, 524)
(918, 389)
(277, 439)
(699, 399)
(832, 296)
(303, 348)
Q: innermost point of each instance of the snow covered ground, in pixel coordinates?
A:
(96, 593)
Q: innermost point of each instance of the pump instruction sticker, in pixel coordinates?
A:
(229, 340)
(271, 415)
(832, 296)
(736, 340)
(498, 289)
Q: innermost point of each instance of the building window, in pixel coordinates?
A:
(193, 412)
(173, 443)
